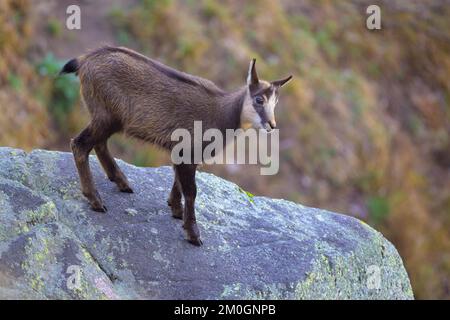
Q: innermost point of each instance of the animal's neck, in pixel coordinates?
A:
(231, 108)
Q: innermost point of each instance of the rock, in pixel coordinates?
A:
(52, 246)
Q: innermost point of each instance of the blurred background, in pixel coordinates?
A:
(365, 125)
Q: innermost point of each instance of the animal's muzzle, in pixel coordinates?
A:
(270, 125)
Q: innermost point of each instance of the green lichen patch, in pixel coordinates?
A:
(254, 247)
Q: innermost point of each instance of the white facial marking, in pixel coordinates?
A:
(270, 107)
(264, 83)
(249, 74)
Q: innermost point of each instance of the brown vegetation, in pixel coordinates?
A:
(365, 126)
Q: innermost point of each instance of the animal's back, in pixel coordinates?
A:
(148, 99)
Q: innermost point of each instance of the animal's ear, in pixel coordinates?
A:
(282, 82)
(252, 76)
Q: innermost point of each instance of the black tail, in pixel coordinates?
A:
(70, 67)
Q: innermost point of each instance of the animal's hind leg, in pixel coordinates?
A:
(174, 201)
(111, 168)
(81, 146)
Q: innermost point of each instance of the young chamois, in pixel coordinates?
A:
(125, 91)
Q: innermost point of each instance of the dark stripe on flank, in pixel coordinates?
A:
(166, 70)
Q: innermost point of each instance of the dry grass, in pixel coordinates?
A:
(365, 125)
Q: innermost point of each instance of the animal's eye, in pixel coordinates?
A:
(259, 100)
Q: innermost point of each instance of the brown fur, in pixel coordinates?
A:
(148, 100)
(125, 91)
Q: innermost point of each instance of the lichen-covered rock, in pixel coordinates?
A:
(53, 246)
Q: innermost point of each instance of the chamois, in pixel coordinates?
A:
(127, 92)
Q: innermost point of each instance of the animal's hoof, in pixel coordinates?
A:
(196, 242)
(177, 212)
(123, 185)
(177, 209)
(126, 189)
(99, 208)
(95, 201)
(193, 235)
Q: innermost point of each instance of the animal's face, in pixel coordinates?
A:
(262, 97)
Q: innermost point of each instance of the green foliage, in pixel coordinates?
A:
(63, 91)
(123, 37)
(248, 194)
(143, 158)
(54, 27)
(152, 4)
(379, 208)
(49, 66)
(368, 180)
(213, 9)
(327, 44)
(118, 20)
(14, 81)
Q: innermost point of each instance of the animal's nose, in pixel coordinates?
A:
(272, 124)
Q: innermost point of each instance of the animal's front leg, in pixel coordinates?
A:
(111, 168)
(174, 201)
(186, 177)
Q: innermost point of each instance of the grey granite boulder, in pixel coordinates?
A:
(52, 246)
